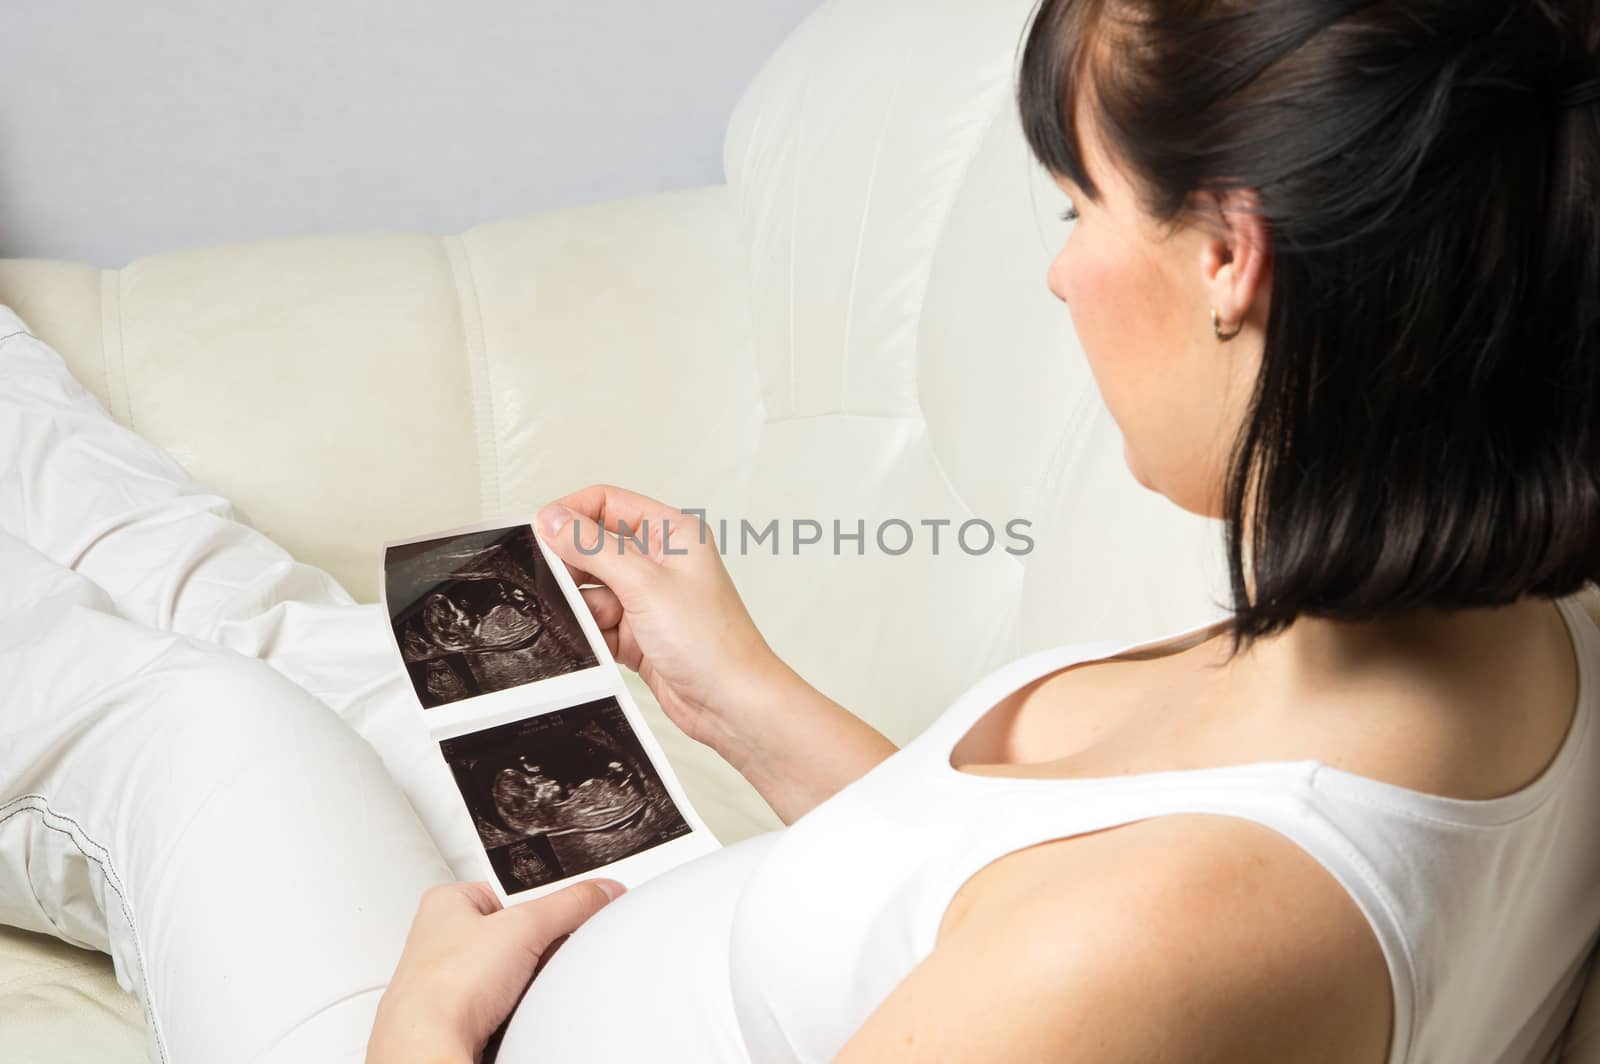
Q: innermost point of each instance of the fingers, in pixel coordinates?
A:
(543, 920)
(618, 561)
(613, 507)
(607, 610)
(604, 604)
(650, 520)
(484, 897)
(447, 896)
(548, 952)
(579, 576)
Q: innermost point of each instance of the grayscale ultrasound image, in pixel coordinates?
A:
(562, 793)
(480, 612)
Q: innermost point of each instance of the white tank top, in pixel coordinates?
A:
(778, 947)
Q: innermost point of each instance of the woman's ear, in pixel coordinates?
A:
(1236, 256)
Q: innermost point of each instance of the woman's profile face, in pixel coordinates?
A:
(1141, 301)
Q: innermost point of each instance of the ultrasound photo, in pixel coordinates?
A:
(561, 793)
(480, 612)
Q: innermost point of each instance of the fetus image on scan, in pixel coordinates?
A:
(480, 612)
(562, 793)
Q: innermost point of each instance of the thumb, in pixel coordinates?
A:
(543, 920)
(614, 559)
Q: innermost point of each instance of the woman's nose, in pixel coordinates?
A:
(1055, 279)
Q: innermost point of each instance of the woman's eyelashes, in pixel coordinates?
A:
(1070, 214)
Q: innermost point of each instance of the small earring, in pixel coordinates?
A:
(1216, 327)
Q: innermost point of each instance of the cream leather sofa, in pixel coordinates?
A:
(855, 327)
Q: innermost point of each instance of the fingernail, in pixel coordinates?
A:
(551, 518)
(612, 888)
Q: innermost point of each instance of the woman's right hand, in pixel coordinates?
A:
(668, 611)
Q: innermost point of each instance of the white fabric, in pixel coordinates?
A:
(183, 778)
(778, 948)
(855, 326)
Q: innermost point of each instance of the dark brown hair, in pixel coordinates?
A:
(1421, 433)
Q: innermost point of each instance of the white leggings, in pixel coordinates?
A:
(211, 765)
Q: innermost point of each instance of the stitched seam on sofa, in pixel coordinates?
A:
(37, 803)
(102, 387)
(14, 335)
(861, 229)
(113, 348)
(794, 213)
(922, 300)
(479, 374)
(866, 414)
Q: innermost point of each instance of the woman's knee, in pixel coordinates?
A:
(212, 712)
(199, 812)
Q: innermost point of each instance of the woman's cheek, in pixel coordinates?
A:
(1096, 309)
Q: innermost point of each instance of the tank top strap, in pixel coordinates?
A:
(1413, 862)
(1006, 815)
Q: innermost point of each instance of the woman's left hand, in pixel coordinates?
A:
(466, 964)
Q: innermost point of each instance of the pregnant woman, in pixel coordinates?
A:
(1336, 269)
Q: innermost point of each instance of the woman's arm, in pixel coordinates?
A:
(1181, 937)
(669, 611)
(801, 747)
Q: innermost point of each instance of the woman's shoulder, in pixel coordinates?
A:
(1181, 901)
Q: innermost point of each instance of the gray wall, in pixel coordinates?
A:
(133, 128)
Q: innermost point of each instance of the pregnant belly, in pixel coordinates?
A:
(645, 978)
